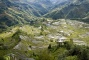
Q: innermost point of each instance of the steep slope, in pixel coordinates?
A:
(42, 6)
(14, 12)
(72, 10)
(3, 16)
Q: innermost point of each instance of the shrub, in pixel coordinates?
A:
(49, 47)
(71, 58)
(75, 50)
(68, 45)
(2, 58)
(44, 55)
(84, 54)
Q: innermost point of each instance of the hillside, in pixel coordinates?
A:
(30, 42)
(72, 10)
(44, 30)
(16, 12)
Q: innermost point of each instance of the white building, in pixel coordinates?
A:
(61, 41)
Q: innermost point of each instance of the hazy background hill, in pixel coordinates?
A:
(70, 9)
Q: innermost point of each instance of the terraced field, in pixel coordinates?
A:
(34, 39)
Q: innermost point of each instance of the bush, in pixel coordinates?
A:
(75, 50)
(44, 55)
(84, 54)
(71, 58)
(2, 58)
(68, 45)
(81, 51)
(49, 47)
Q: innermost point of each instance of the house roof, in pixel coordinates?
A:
(63, 38)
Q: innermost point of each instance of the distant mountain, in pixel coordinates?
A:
(42, 6)
(71, 10)
(58, 1)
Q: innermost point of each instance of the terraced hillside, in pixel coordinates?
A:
(44, 30)
(28, 40)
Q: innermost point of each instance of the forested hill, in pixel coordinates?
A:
(75, 9)
(20, 11)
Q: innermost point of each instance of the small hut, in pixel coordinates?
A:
(61, 41)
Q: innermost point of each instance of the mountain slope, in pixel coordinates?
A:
(14, 12)
(75, 9)
(30, 36)
(42, 6)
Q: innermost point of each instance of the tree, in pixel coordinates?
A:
(84, 54)
(49, 47)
